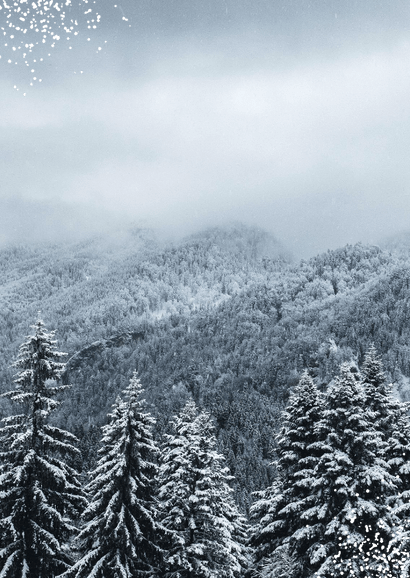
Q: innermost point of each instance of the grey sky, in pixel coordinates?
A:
(290, 115)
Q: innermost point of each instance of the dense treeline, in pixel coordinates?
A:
(339, 504)
(145, 511)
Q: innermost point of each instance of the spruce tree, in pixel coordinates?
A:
(120, 537)
(352, 486)
(282, 564)
(282, 532)
(390, 417)
(40, 493)
(207, 533)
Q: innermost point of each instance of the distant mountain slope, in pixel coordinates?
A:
(98, 288)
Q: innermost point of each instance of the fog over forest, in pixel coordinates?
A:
(292, 116)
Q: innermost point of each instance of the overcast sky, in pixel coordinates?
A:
(292, 115)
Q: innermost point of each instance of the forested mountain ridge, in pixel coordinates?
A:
(97, 288)
(221, 315)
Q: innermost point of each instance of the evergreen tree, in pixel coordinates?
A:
(120, 537)
(282, 564)
(39, 492)
(352, 487)
(207, 533)
(281, 534)
(390, 417)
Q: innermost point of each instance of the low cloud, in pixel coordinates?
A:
(314, 150)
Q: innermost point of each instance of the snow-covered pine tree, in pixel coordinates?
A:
(207, 533)
(390, 417)
(352, 486)
(282, 533)
(40, 493)
(120, 538)
(282, 564)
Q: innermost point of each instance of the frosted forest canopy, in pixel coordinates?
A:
(222, 316)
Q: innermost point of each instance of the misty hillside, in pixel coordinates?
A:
(101, 286)
(222, 315)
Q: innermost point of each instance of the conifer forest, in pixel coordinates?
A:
(204, 408)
